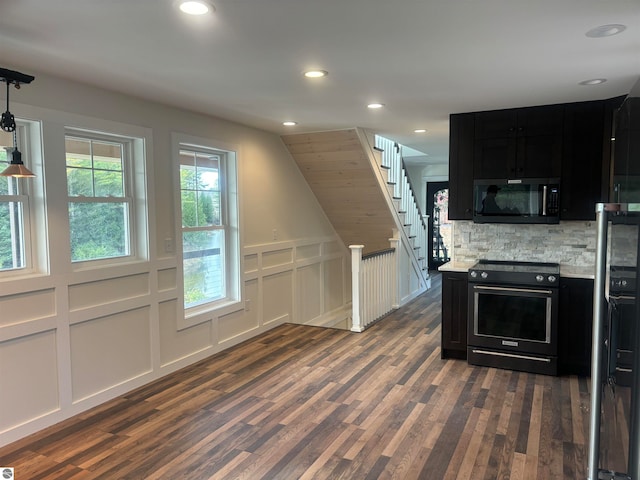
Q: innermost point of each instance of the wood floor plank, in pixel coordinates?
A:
(302, 402)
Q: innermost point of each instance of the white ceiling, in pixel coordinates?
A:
(423, 59)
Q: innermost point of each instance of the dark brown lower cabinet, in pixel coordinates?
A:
(454, 315)
(574, 326)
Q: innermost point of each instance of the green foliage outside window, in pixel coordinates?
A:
(98, 229)
(202, 239)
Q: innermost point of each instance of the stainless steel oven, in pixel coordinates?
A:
(513, 311)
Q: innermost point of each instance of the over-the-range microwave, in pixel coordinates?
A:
(530, 200)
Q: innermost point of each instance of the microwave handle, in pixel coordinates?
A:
(544, 200)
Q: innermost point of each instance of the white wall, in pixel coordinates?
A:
(70, 340)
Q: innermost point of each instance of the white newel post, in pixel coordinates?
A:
(356, 286)
(395, 270)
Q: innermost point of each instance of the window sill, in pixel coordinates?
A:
(204, 313)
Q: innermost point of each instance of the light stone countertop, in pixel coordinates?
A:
(566, 271)
(456, 266)
(569, 271)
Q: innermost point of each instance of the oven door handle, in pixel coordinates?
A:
(517, 290)
(618, 298)
(511, 355)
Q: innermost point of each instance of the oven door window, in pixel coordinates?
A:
(512, 313)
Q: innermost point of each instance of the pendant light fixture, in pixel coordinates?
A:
(8, 124)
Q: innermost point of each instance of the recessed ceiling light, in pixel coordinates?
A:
(606, 30)
(593, 81)
(195, 7)
(375, 105)
(316, 73)
(289, 124)
(420, 130)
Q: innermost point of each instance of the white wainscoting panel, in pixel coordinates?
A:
(251, 263)
(334, 285)
(33, 395)
(239, 323)
(177, 344)
(108, 351)
(275, 258)
(277, 294)
(27, 306)
(308, 251)
(308, 281)
(100, 292)
(167, 279)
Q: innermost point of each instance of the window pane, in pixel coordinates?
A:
(94, 168)
(203, 263)
(11, 236)
(107, 156)
(80, 182)
(78, 152)
(98, 230)
(189, 209)
(208, 209)
(187, 177)
(108, 183)
(207, 178)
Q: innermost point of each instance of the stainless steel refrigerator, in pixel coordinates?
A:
(614, 431)
(614, 440)
(614, 436)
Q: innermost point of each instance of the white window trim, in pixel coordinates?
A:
(233, 302)
(29, 136)
(136, 193)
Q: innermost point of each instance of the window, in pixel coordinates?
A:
(209, 230)
(15, 244)
(100, 196)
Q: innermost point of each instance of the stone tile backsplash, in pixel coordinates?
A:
(568, 243)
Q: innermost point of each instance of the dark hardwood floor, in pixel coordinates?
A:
(310, 403)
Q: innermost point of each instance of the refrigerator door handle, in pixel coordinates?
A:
(597, 360)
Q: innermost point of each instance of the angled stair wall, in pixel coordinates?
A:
(368, 203)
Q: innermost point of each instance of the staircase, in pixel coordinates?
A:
(360, 183)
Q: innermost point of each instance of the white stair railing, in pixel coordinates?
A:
(415, 224)
(374, 285)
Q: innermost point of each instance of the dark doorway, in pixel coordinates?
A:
(440, 238)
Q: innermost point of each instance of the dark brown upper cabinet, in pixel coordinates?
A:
(518, 143)
(461, 166)
(570, 141)
(586, 159)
